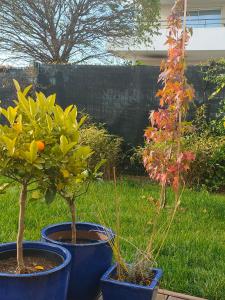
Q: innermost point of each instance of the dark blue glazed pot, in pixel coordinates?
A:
(116, 290)
(46, 285)
(89, 260)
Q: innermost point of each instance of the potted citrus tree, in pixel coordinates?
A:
(70, 175)
(29, 270)
(165, 160)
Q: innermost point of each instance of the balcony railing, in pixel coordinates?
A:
(200, 23)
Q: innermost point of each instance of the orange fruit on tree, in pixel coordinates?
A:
(40, 145)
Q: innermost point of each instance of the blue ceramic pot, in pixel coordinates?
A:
(116, 290)
(46, 285)
(90, 260)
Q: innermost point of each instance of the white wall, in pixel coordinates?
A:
(205, 44)
(203, 39)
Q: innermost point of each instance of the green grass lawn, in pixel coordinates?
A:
(193, 258)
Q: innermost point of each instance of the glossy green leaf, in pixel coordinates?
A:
(50, 194)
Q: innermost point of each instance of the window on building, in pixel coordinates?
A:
(204, 18)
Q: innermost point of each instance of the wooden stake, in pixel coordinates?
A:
(184, 27)
(20, 259)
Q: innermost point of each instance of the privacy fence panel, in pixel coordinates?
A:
(118, 96)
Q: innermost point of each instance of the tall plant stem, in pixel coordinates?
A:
(22, 202)
(178, 104)
(72, 207)
(163, 200)
(117, 241)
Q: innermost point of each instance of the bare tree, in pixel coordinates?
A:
(62, 31)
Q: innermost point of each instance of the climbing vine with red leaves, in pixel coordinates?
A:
(164, 157)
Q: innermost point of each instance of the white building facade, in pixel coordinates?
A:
(206, 17)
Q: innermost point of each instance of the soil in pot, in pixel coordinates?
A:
(35, 261)
(83, 237)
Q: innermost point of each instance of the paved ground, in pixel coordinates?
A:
(167, 295)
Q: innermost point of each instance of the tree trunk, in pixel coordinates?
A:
(73, 217)
(20, 260)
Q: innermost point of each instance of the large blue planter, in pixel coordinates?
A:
(52, 284)
(116, 290)
(89, 260)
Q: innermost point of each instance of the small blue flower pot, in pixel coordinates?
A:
(89, 260)
(117, 290)
(46, 285)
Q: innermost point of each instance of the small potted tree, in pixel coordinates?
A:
(29, 270)
(165, 160)
(70, 176)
